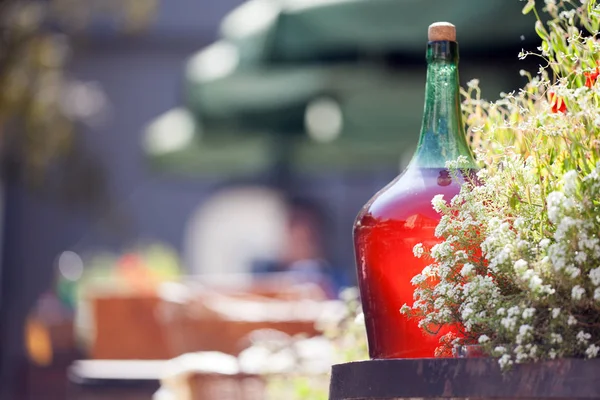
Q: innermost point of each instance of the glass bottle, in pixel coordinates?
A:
(401, 215)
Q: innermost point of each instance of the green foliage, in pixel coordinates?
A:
(40, 105)
(348, 341)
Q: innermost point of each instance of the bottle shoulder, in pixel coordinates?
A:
(410, 194)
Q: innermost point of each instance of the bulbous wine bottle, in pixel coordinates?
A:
(401, 215)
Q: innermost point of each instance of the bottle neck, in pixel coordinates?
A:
(442, 131)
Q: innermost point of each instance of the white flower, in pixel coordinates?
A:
(524, 334)
(461, 161)
(570, 182)
(555, 312)
(360, 319)
(525, 329)
(520, 353)
(473, 83)
(418, 250)
(572, 320)
(597, 294)
(514, 311)
(532, 351)
(438, 203)
(572, 271)
(577, 292)
(509, 323)
(565, 226)
(595, 276)
(535, 282)
(583, 337)
(592, 351)
(349, 294)
(520, 266)
(505, 361)
(567, 14)
(441, 250)
(418, 279)
(467, 269)
(580, 257)
(554, 202)
(528, 313)
(466, 312)
(427, 271)
(444, 271)
(460, 255)
(483, 339)
(519, 222)
(556, 338)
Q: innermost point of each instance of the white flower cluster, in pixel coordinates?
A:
(522, 286)
(517, 268)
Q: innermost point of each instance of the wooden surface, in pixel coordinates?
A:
(114, 379)
(200, 386)
(127, 328)
(223, 322)
(136, 370)
(148, 327)
(140, 379)
(474, 378)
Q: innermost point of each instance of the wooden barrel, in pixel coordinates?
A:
(465, 378)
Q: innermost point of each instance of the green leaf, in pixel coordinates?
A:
(540, 30)
(513, 201)
(528, 7)
(591, 7)
(545, 46)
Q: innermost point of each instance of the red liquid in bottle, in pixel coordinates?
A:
(389, 226)
(401, 215)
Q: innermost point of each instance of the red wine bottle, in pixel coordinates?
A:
(401, 215)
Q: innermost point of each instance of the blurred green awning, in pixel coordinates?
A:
(328, 75)
(253, 153)
(304, 30)
(174, 143)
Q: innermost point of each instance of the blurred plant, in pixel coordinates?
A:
(141, 269)
(346, 339)
(518, 269)
(40, 105)
(348, 333)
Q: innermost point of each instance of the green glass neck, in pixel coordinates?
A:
(442, 131)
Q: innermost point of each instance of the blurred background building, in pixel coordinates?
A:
(246, 143)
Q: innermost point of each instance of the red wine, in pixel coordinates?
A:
(401, 215)
(389, 226)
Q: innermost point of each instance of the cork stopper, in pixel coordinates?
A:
(442, 31)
